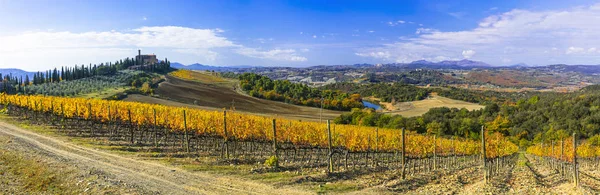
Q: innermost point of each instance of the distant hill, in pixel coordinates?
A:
(198, 66)
(16, 72)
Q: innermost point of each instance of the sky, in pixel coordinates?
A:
(38, 35)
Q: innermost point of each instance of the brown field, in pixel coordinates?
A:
(194, 93)
(418, 108)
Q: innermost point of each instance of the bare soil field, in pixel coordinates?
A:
(180, 92)
(418, 108)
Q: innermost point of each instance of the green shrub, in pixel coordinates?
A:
(272, 161)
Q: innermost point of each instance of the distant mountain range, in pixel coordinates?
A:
(198, 66)
(420, 64)
(16, 72)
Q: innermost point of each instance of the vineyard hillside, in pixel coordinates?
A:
(212, 92)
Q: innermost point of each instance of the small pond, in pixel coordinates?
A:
(371, 105)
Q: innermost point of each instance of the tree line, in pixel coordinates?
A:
(402, 92)
(539, 116)
(297, 93)
(387, 92)
(13, 84)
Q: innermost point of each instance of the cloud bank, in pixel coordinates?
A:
(35, 50)
(534, 37)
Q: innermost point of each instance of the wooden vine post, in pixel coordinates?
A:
(330, 151)
(376, 146)
(89, 118)
(62, 113)
(130, 125)
(552, 154)
(109, 121)
(562, 154)
(185, 133)
(226, 145)
(403, 160)
(485, 173)
(154, 128)
(275, 152)
(575, 171)
(434, 152)
(376, 139)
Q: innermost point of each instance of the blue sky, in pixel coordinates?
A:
(37, 35)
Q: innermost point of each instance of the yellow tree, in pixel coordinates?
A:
(500, 124)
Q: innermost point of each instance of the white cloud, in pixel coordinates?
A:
(275, 54)
(144, 18)
(520, 35)
(314, 36)
(468, 53)
(425, 30)
(582, 51)
(371, 31)
(68, 48)
(575, 50)
(396, 22)
(458, 15)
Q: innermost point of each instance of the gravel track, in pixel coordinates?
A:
(148, 177)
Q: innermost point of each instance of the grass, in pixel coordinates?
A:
(105, 93)
(522, 161)
(335, 188)
(204, 77)
(418, 108)
(31, 175)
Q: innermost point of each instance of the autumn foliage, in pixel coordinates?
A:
(246, 127)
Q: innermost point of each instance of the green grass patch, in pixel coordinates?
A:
(329, 188)
(104, 94)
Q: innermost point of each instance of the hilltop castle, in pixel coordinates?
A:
(146, 59)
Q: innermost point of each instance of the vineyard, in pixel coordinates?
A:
(249, 138)
(575, 162)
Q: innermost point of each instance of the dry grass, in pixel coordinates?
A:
(418, 108)
(200, 76)
(28, 174)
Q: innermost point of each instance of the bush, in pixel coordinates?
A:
(272, 161)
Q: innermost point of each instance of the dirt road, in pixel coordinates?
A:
(148, 177)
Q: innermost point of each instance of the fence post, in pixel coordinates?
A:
(485, 173)
(403, 154)
(330, 153)
(575, 171)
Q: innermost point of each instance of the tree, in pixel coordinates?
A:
(435, 128)
(146, 88)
